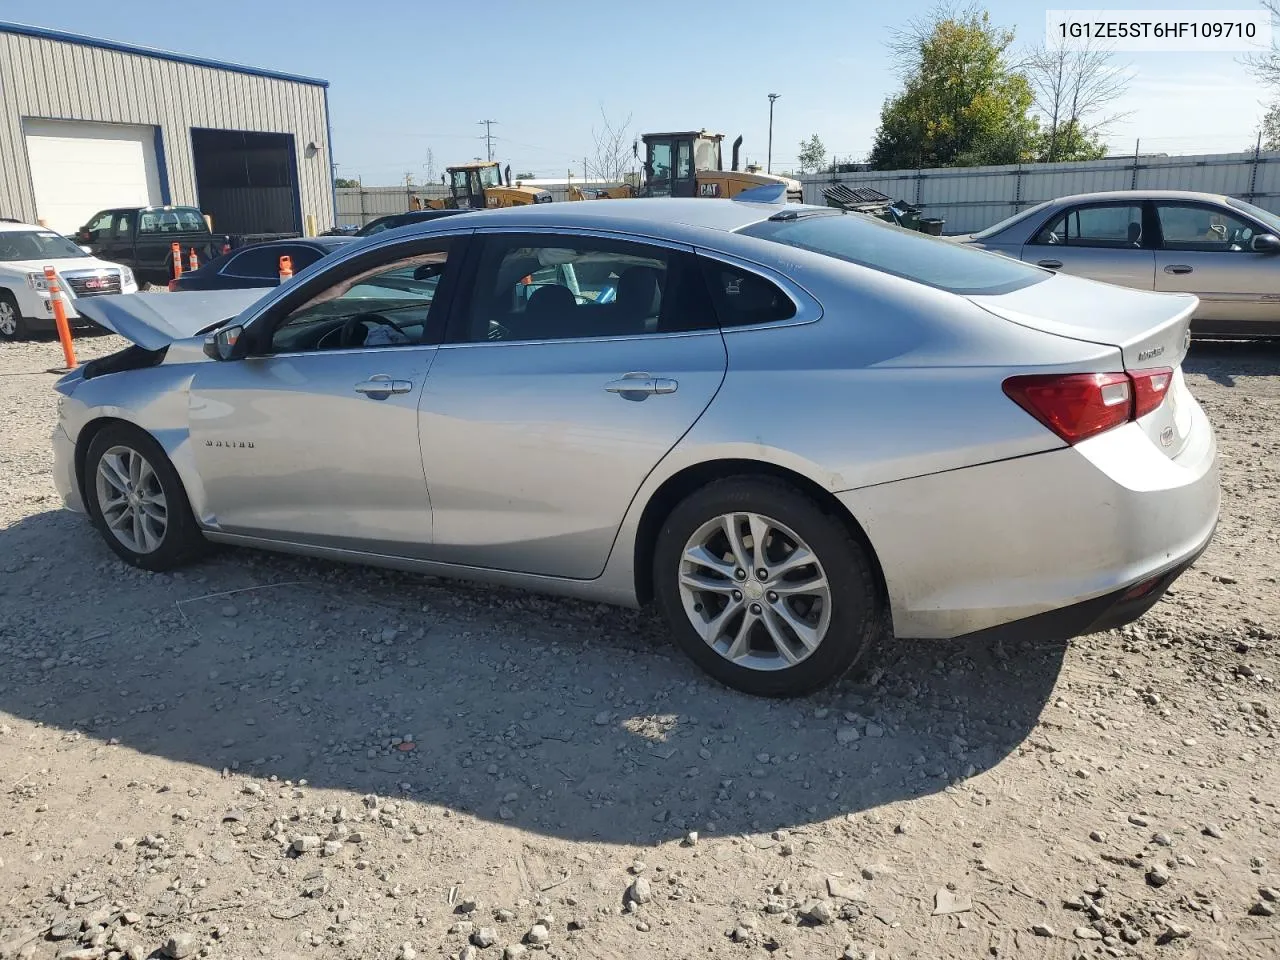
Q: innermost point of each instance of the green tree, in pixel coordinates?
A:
(524, 176)
(813, 155)
(1271, 127)
(345, 182)
(962, 102)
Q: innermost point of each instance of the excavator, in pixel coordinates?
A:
(475, 186)
(690, 164)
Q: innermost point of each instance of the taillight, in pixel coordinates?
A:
(173, 285)
(1149, 389)
(1077, 406)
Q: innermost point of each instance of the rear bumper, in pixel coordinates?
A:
(1053, 540)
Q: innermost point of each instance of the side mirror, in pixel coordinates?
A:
(221, 345)
(1265, 243)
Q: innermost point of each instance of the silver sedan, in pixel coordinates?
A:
(788, 426)
(1219, 248)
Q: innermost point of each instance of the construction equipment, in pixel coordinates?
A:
(870, 201)
(475, 186)
(690, 164)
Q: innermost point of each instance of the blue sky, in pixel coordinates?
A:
(407, 78)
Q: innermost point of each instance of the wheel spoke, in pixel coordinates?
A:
(812, 586)
(112, 471)
(118, 521)
(729, 524)
(800, 557)
(703, 584)
(806, 633)
(135, 464)
(778, 634)
(711, 629)
(742, 639)
(146, 475)
(703, 557)
(759, 537)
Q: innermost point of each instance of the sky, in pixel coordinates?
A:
(409, 80)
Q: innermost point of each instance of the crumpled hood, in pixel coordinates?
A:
(155, 320)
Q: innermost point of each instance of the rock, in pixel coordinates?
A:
(1270, 894)
(1174, 931)
(847, 735)
(180, 945)
(948, 901)
(1162, 840)
(503, 915)
(1043, 930)
(463, 927)
(818, 912)
(843, 889)
(1212, 830)
(1086, 933)
(691, 838)
(640, 891)
(229, 610)
(875, 730)
(466, 906)
(129, 918)
(406, 952)
(1262, 909)
(602, 718)
(1138, 820)
(485, 937)
(1130, 934)
(66, 927)
(740, 934)
(468, 952)
(854, 952)
(1157, 876)
(1097, 836)
(307, 844)
(513, 951)
(331, 848)
(538, 934)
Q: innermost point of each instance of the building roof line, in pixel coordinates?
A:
(45, 33)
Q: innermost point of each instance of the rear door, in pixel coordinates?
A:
(1205, 249)
(1101, 241)
(544, 413)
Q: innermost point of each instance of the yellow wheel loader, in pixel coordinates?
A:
(476, 186)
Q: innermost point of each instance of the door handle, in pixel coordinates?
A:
(637, 386)
(1177, 268)
(381, 386)
(1050, 264)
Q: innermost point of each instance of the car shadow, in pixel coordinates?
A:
(562, 718)
(1224, 360)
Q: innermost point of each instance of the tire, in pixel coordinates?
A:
(840, 622)
(149, 544)
(12, 326)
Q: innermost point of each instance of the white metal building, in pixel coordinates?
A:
(89, 124)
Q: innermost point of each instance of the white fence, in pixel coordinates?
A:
(970, 198)
(358, 205)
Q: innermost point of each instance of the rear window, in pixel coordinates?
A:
(903, 253)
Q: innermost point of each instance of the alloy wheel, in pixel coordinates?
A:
(131, 499)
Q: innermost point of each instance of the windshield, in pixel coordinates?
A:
(1268, 219)
(490, 177)
(36, 245)
(992, 230)
(903, 253)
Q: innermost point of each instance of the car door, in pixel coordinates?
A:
(1206, 249)
(313, 437)
(1102, 241)
(544, 413)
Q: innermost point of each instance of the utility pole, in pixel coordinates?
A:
(584, 170)
(769, 163)
(488, 136)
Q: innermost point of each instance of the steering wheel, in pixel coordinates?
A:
(349, 327)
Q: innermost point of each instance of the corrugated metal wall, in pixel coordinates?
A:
(358, 205)
(59, 80)
(971, 198)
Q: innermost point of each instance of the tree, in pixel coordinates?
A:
(1266, 68)
(813, 155)
(345, 182)
(1270, 130)
(1071, 89)
(962, 103)
(524, 176)
(613, 156)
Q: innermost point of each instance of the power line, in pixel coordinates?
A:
(488, 135)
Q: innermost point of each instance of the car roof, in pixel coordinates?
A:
(1140, 195)
(17, 225)
(328, 242)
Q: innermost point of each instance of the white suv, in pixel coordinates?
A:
(25, 306)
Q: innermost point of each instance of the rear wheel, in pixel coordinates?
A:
(12, 326)
(764, 589)
(137, 500)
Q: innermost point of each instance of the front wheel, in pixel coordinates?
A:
(12, 326)
(764, 589)
(137, 501)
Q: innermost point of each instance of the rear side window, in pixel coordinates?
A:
(742, 298)
(256, 263)
(881, 246)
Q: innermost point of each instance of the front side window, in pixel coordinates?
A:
(538, 287)
(1203, 229)
(386, 305)
(660, 161)
(36, 245)
(490, 177)
(459, 180)
(889, 249)
(101, 222)
(1114, 225)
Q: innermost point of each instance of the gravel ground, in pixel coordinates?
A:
(264, 756)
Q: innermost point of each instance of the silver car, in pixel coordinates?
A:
(787, 425)
(1219, 248)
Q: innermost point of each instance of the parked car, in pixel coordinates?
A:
(25, 304)
(395, 220)
(790, 425)
(257, 265)
(1219, 248)
(143, 238)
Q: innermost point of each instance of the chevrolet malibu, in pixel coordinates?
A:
(788, 426)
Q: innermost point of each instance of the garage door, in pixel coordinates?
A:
(79, 168)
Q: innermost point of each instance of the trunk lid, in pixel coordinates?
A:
(154, 320)
(1150, 330)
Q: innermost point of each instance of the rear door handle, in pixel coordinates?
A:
(637, 386)
(1177, 268)
(1050, 264)
(381, 386)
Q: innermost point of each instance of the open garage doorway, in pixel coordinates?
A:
(247, 182)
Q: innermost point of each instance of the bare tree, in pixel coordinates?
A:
(1266, 66)
(613, 157)
(1073, 89)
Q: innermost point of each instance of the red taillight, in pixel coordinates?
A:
(173, 285)
(1149, 389)
(1077, 406)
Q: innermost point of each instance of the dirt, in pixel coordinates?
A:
(264, 756)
